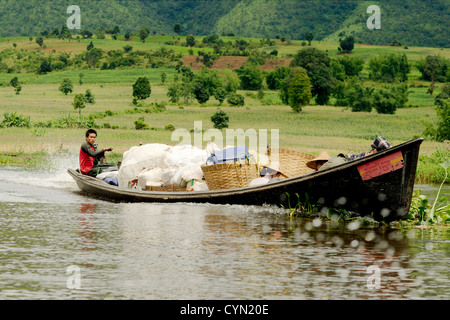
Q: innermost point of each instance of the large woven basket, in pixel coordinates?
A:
(292, 163)
(230, 175)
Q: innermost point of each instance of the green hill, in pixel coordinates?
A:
(412, 22)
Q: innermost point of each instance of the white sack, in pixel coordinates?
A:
(167, 175)
(180, 156)
(186, 173)
(150, 178)
(136, 159)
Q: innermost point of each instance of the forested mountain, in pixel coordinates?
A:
(412, 22)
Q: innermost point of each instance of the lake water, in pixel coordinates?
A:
(57, 243)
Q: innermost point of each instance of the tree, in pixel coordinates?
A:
(86, 34)
(177, 28)
(92, 56)
(347, 44)
(14, 82)
(432, 70)
(317, 65)
(309, 36)
(90, 46)
(79, 102)
(201, 94)
(141, 88)
(66, 86)
(220, 94)
(359, 97)
(389, 67)
(442, 103)
(45, 67)
(208, 79)
(190, 40)
(251, 77)
(40, 41)
(230, 81)
(18, 89)
(143, 34)
(352, 65)
(274, 79)
(174, 92)
(90, 98)
(296, 89)
(163, 77)
(443, 125)
(384, 101)
(220, 120)
(116, 30)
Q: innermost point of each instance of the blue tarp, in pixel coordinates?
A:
(229, 155)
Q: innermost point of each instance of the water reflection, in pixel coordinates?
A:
(235, 252)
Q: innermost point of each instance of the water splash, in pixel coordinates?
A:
(53, 174)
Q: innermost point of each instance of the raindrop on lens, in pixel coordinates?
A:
(385, 212)
(354, 243)
(354, 225)
(317, 222)
(370, 236)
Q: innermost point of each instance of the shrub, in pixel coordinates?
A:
(169, 127)
(66, 86)
(220, 120)
(139, 124)
(236, 99)
(15, 120)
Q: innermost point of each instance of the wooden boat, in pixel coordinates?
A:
(380, 185)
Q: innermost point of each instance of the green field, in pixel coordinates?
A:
(335, 129)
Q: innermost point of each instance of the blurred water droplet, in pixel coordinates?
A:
(385, 212)
(341, 201)
(370, 236)
(337, 241)
(354, 225)
(402, 274)
(354, 243)
(317, 222)
(429, 246)
(381, 196)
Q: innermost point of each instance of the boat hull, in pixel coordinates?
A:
(380, 185)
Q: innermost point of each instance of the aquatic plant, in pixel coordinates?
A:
(303, 209)
(422, 212)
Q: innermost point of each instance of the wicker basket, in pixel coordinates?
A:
(292, 163)
(230, 175)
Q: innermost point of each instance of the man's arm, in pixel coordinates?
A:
(85, 147)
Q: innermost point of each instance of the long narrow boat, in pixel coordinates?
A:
(380, 185)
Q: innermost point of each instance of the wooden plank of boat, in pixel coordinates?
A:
(380, 185)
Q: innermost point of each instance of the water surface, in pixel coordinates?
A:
(52, 235)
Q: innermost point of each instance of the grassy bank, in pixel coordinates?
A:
(316, 128)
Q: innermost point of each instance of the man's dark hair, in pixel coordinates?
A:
(89, 131)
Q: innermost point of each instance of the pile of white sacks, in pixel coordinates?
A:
(160, 164)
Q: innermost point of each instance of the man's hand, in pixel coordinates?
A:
(108, 149)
